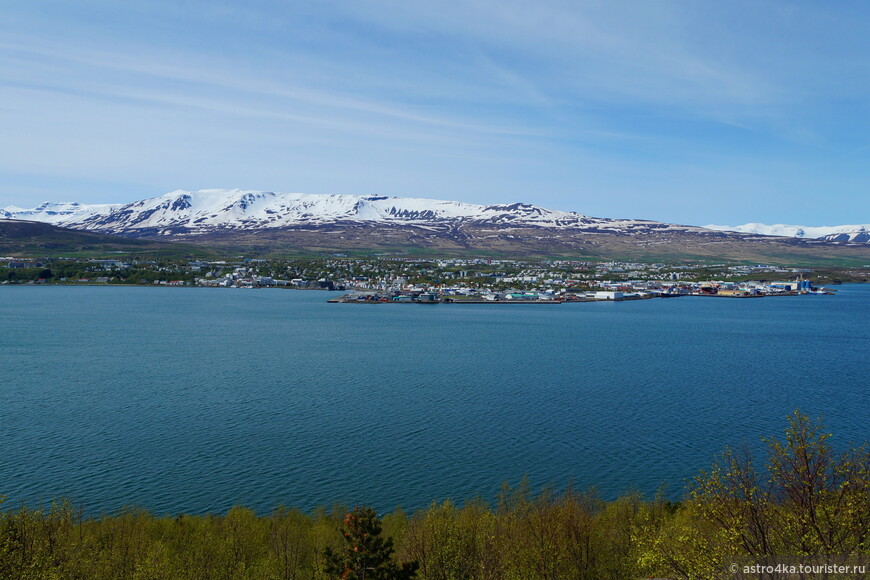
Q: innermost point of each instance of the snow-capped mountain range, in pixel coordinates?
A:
(204, 211)
(853, 233)
(54, 213)
(207, 211)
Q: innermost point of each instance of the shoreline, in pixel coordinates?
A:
(355, 299)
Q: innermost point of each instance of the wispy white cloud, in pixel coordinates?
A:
(623, 50)
(480, 96)
(209, 76)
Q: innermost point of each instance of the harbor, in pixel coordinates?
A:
(618, 293)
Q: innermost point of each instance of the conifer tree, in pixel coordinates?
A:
(365, 554)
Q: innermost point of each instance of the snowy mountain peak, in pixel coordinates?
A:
(207, 209)
(56, 213)
(847, 233)
(212, 210)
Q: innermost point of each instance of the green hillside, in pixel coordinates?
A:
(26, 238)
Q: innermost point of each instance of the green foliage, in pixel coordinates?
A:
(808, 500)
(823, 498)
(23, 274)
(449, 542)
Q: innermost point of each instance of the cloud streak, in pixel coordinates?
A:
(490, 101)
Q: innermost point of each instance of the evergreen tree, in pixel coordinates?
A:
(365, 554)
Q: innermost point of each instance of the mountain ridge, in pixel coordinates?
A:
(205, 210)
(192, 212)
(271, 223)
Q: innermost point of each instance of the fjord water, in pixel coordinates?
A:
(193, 400)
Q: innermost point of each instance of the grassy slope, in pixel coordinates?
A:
(524, 243)
(37, 239)
(25, 238)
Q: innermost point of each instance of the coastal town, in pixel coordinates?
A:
(612, 291)
(430, 281)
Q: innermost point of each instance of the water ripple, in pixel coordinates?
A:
(194, 401)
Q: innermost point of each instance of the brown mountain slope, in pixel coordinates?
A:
(18, 237)
(530, 242)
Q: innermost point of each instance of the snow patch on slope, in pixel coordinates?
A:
(210, 210)
(847, 233)
(207, 209)
(56, 213)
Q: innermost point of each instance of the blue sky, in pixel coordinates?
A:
(690, 112)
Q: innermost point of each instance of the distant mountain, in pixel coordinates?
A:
(210, 210)
(55, 213)
(266, 222)
(858, 233)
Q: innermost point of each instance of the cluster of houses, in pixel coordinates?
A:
(428, 280)
(609, 291)
(712, 288)
(244, 277)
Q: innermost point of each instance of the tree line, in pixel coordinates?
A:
(806, 499)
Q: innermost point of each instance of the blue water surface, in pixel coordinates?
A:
(194, 400)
